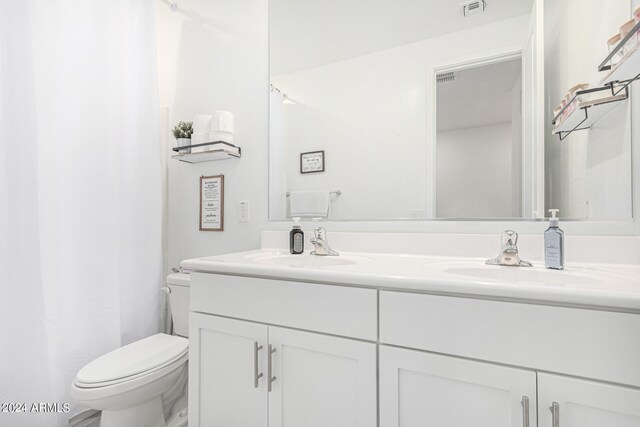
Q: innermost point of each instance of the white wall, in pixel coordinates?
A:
(589, 173)
(213, 55)
(474, 172)
(371, 114)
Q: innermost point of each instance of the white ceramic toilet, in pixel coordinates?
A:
(143, 384)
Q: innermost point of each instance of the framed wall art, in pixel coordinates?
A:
(212, 203)
(312, 162)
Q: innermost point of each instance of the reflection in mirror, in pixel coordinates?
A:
(357, 81)
(479, 141)
(588, 174)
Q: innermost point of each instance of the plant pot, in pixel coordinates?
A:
(184, 142)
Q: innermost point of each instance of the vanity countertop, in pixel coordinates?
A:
(606, 286)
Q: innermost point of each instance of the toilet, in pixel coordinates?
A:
(143, 384)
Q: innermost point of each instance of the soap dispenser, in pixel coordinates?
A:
(554, 243)
(296, 238)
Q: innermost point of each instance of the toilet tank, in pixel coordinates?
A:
(178, 283)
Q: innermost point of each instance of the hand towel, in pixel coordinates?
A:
(306, 204)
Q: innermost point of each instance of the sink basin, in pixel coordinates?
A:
(306, 260)
(536, 274)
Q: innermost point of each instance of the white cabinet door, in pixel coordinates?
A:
(222, 372)
(321, 381)
(582, 403)
(425, 390)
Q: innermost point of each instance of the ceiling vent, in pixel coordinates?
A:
(447, 77)
(472, 7)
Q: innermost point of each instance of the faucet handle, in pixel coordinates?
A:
(509, 239)
(321, 244)
(320, 233)
(509, 251)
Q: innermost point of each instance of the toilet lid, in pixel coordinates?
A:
(179, 279)
(135, 358)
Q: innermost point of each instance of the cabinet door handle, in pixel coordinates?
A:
(525, 411)
(256, 375)
(269, 368)
(555, 414)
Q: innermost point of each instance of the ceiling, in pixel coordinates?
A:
(310, 33)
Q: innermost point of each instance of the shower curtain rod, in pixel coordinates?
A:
(172, 4)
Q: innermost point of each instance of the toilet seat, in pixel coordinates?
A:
(143, 365)
(179, 359)
(138, 359)
(87, 394)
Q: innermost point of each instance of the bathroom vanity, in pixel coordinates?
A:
(396, 340)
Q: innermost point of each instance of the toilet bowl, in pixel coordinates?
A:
(142, 384)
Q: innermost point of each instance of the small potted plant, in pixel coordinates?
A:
(182, 133)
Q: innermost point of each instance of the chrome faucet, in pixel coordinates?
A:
(321, 244)
(509, 251)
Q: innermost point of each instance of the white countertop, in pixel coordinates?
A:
(608, 286)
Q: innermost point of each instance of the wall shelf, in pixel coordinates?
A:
(217, 150)
(588, 110)
(627, 70)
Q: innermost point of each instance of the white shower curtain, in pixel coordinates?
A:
(80, 193)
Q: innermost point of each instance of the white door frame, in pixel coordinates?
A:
(457, 64)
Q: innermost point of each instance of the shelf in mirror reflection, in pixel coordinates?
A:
(588, 109)
(628, 69)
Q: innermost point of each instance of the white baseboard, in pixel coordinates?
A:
(88, 418)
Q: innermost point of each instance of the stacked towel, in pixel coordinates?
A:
(310, 204)
(222, 127)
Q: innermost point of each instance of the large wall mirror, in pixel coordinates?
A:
(413, 109)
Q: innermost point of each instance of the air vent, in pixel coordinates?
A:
(472, 7)
(447, 77)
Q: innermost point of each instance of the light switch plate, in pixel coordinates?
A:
(243, 211)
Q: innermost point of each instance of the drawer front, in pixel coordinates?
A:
(588, 343)
(339, 310)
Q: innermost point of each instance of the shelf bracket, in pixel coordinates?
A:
(625, 87)
(567, 133)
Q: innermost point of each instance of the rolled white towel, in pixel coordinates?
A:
(223, 127)
(311, 203)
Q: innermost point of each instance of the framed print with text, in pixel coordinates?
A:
(212, 203)
(312, 161)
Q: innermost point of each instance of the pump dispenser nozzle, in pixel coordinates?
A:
(554, 220)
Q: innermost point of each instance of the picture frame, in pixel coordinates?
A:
(312, 162)
(212, 203)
